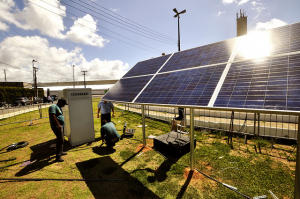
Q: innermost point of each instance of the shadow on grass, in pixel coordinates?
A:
(106, 168)
(186, 184)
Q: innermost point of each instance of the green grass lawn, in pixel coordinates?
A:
(124, 174)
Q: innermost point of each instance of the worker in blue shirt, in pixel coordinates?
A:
(105, 107)
(57, 123)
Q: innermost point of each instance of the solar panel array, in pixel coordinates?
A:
(192, 87)
(150, 66)
(204, 55)
(193, 76)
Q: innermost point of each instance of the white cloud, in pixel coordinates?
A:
(243, 1)
(219, 13)
(85, 34)
(259, 9)
(228, 1)
(273, 23)
(33, 17)
(3, 26)
(114, 9)
(254, 3)
(54, 63)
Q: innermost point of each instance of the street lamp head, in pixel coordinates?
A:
(175, 10)
(182, 12)
(34, 61)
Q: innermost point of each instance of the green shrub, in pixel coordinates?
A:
(8, 94)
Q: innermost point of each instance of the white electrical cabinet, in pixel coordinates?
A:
(78, 114)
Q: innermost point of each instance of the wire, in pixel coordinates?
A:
(101, 26)
(114, 20)
(154, 32)
(21, 68)
(94, 29)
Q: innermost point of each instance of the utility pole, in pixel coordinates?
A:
(5, 74)
(84, 77)
(73, 77)
(34, 78)
(35, 82)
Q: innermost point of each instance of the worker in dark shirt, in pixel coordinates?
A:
(109, 134)
(57, 123)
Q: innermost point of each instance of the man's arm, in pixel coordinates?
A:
(98, 112)
(53, 118)
(113, 112)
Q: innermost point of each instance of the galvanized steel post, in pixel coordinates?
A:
(192, 138)
(143, 125)
(297, 172)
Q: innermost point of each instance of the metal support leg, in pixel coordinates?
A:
(143, 125)
(297, 172)
(192, 138)
(254, 124)
(258, 123)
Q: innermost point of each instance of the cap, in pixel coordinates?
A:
(63, 100)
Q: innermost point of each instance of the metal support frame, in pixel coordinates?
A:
(297, 172)
(143, 125)
(258, 123)
(254, 126)
(192, 146)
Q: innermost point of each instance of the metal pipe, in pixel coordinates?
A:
(192, 139)
(258, 123)
(297, 172)
(143, 125)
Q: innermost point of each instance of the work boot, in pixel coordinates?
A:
(59, 159)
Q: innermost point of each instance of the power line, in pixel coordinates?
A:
(94, 29)
(103, 27)
(169, 39)
(129, 20)
(21, 68)
(167, 42)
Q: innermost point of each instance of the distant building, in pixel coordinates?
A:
(241, 23)
(16, 84)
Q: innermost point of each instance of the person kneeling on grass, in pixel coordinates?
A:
(109, 134)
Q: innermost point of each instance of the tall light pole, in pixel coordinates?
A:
(34, 77)
(180, 110)
(177, 15)
(73, 76)
(84, 77)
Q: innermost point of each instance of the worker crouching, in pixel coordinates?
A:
(109, 134)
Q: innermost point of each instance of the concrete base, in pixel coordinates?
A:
(172, 144)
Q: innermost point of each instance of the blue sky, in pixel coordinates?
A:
(28, 31)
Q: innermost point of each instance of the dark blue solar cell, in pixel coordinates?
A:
(192, 85)
(126, 89)
(150, 66)
(200, 56)
(275, 103)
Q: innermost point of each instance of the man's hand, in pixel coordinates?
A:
(98, 116)
(113, 115)
(58, 127)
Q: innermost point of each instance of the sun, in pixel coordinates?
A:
(255, 45)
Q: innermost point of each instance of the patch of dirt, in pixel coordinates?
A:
(145, 149)
(196, 174)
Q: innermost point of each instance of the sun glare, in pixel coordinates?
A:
(256, 45)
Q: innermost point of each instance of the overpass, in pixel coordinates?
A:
(77, 83)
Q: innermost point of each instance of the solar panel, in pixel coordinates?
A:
(263, 73)
(204, 55)
(269, 83)
(188, 87)
(150, 66)
(127, 89)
